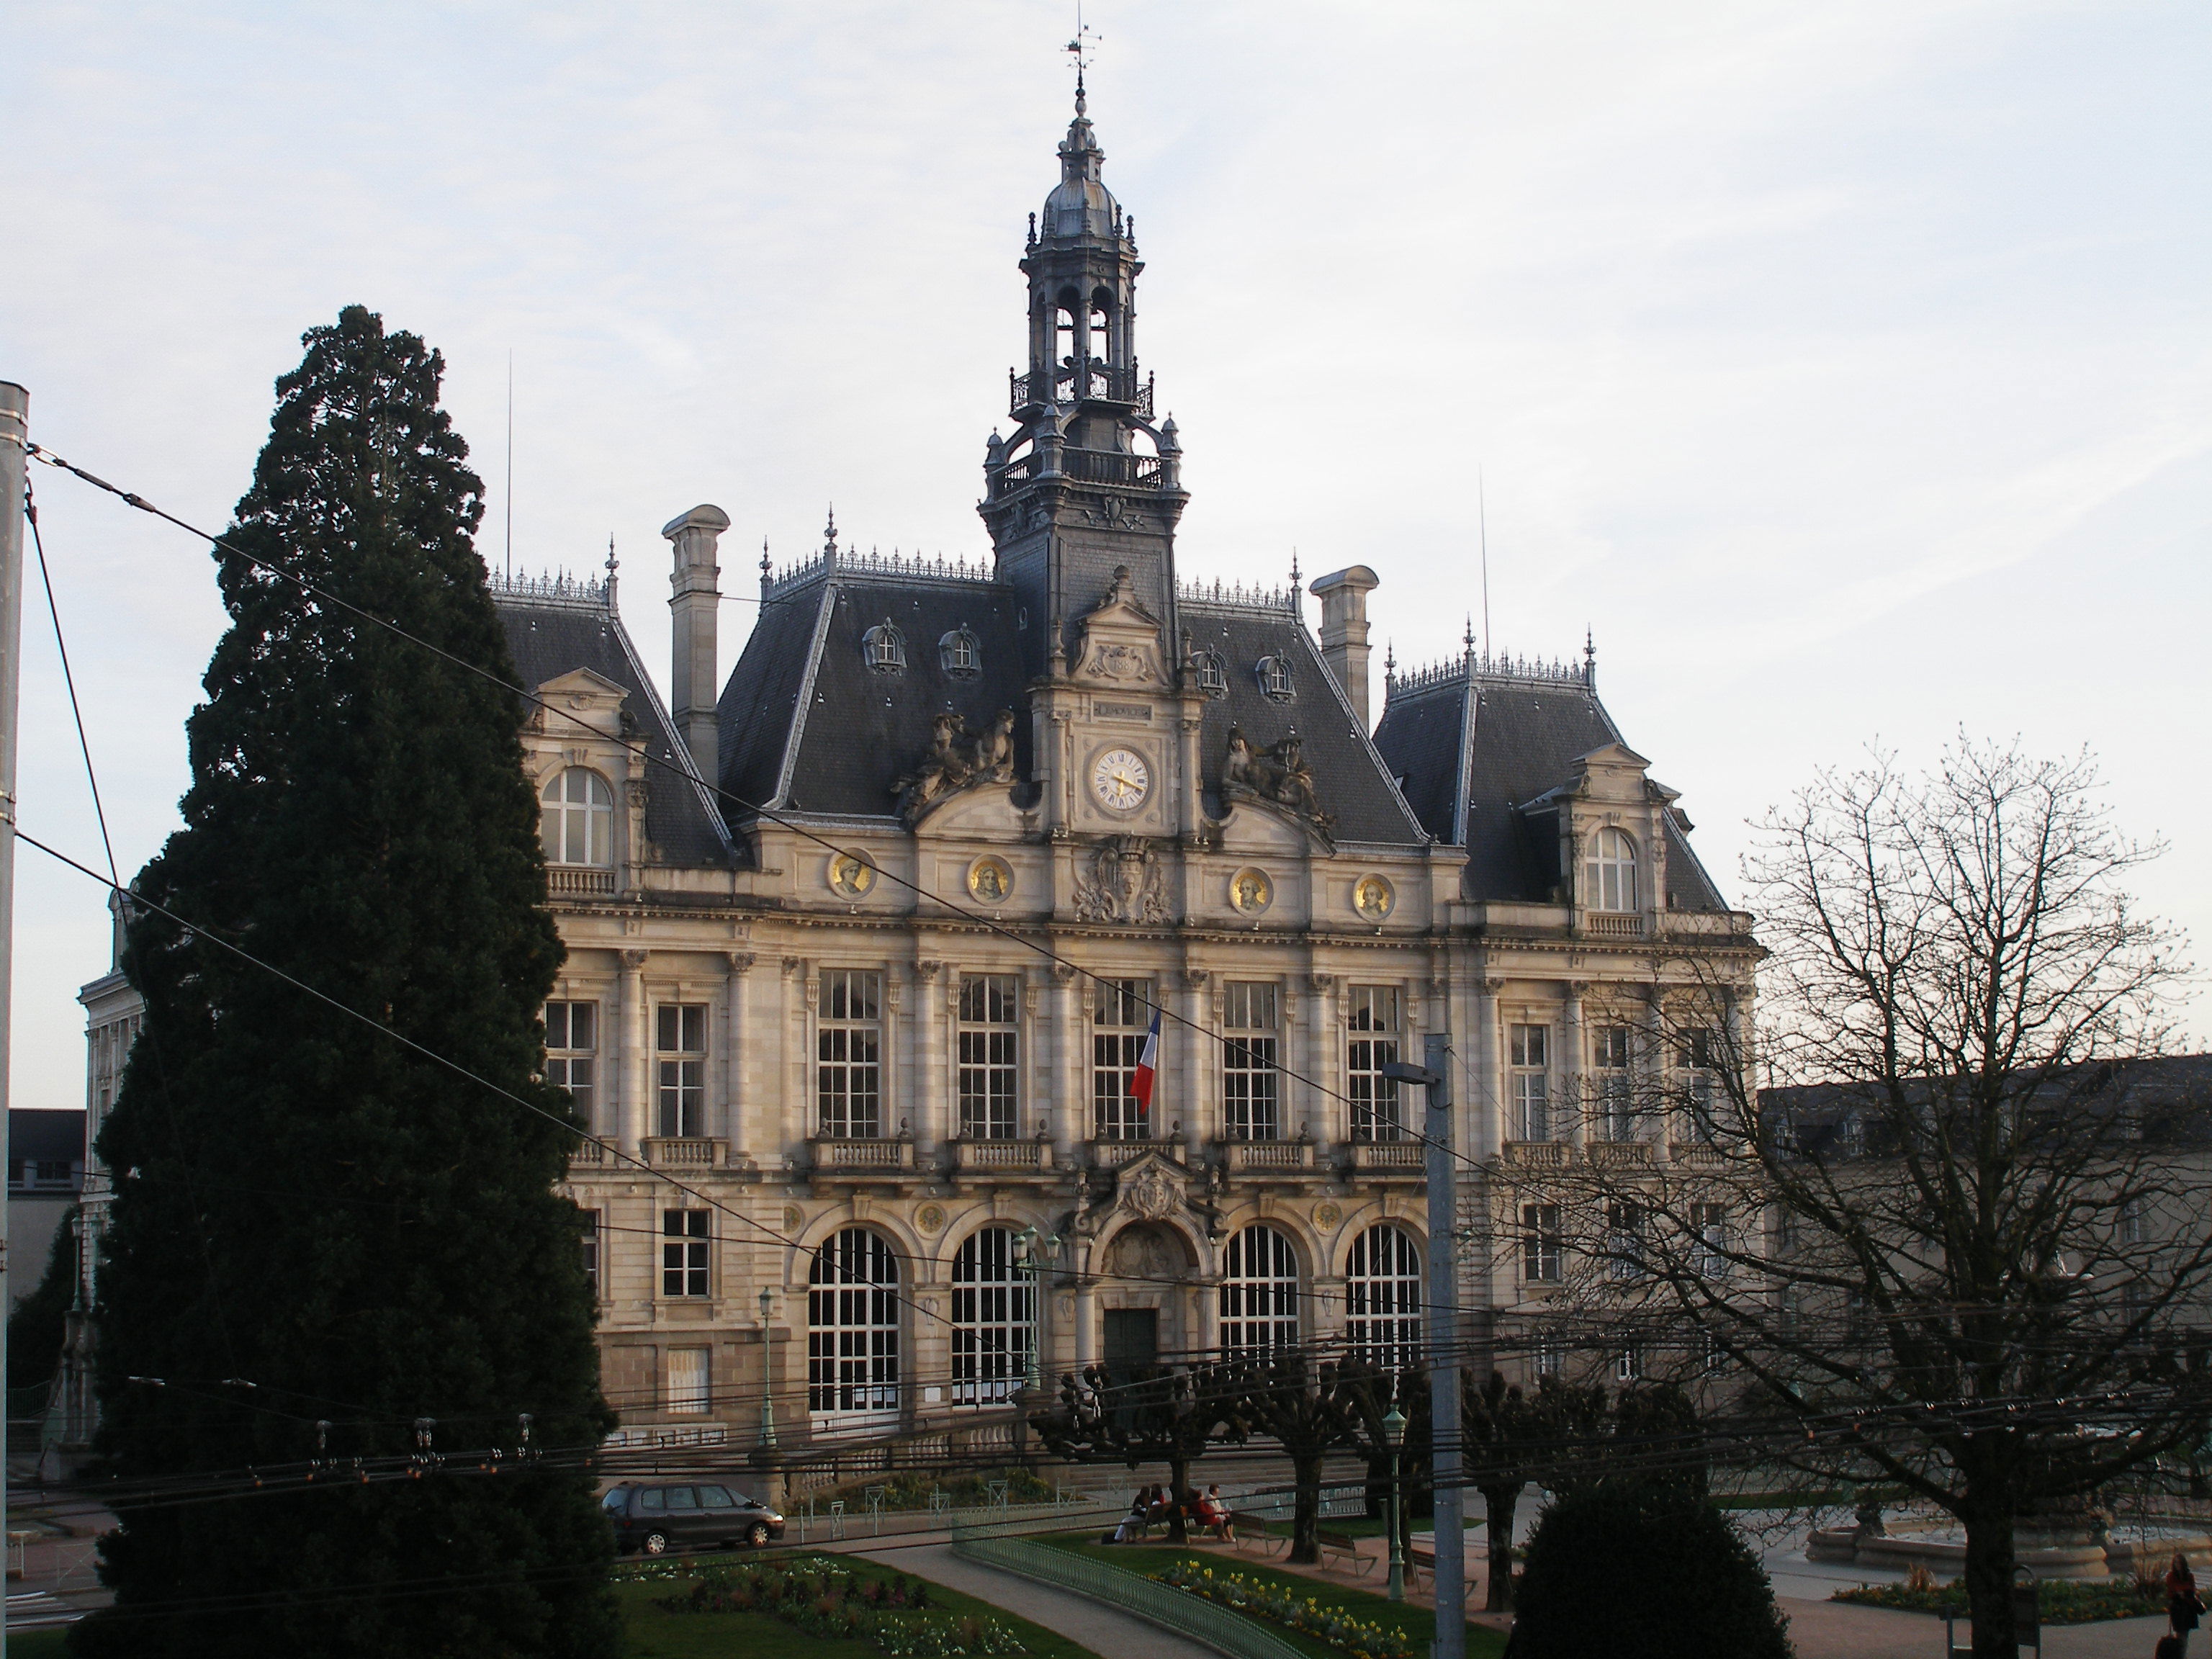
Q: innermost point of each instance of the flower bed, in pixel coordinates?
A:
(1339, 1630)
(2060, 1600)
(822, 1598)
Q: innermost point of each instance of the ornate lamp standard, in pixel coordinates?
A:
(1034, 1251)
(1394, 1434)
(767, 1399)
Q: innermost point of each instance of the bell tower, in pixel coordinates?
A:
(1088, 485)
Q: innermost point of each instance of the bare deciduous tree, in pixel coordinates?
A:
(1962, 1231)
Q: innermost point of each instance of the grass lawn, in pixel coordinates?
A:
(649, 1633)
(1370, 1606)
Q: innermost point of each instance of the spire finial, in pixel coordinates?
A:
(1590, 654)
(1079, 50)
(1389, 662)
(1294, 570)
(764, 558)
(829, 535)
(613, 565)
(1467, 639)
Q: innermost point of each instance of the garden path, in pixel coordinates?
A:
(1104, 1630)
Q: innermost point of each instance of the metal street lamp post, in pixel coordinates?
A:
(1440, 1335)
(1394, 1434)
(768, 1398)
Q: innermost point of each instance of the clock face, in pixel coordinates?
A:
(1121, 779)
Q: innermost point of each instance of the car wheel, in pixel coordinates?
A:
(757, 1534)
(654, 1543)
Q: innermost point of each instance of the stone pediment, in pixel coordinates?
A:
(1120, 641)
(586, 699)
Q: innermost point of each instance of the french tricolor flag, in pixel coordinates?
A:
(1141, 1085)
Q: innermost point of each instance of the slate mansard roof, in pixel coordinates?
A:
(808, 727)
(1354, 786)
(1474, 742)
(555, 627)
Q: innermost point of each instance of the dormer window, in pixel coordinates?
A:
(1609, 872)
(1274, 674)
(883, 647)
(576, 819)
(961, 653)
(1213, 674)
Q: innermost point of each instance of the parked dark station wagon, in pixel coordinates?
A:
(657, 1516)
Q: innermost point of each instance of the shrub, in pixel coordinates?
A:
(1642, 1570)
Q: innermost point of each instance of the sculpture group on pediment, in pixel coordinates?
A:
(956, 760)
(1125, 883)
(1278, 773)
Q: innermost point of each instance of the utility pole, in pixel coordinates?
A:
(15, 459)
(1441, 1324)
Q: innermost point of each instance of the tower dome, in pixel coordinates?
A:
(1080, 205)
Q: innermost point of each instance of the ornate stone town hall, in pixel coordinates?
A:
(882, 1001)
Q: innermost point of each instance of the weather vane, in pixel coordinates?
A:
(1079, 50)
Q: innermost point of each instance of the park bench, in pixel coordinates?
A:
(1338, 1543)
(1419, 1561)
(1256, 1529)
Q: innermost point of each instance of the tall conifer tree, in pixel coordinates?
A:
(312, 1221)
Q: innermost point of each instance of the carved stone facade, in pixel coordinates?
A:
(878, 1003)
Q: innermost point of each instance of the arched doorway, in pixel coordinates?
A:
(1144, 1291)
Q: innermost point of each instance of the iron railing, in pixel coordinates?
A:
(1103, 383)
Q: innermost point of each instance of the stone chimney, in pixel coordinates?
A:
(694, 605)
(1343, 596)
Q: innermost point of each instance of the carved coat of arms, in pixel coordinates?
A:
(1125, 883)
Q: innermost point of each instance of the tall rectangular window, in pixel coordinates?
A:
(1526, 1049)
(849, 1073)
(1543, 1249)
(1616, 1083)
(680, 1047)
(690, 1390)
(1122, 1018)
(1249, 1086)
(989, 1006)
(593, 1222)
(1709, 1222)
(572, 1051)
(683, 1253)
(1548, 1356)
(1372, 1015)
(1695, 1051)
(1624, 1240)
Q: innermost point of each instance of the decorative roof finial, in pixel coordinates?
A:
(1389, 663)
(1294, 571)
(613, 565)
(829, 536)
(763, 559)
(1079, 50)
(1589, 655)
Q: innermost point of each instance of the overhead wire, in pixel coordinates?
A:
(642, 751)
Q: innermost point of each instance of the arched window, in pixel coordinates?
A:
(961, 653)
(1259, 1293)
(1063, 333)
(577, 819)
(1382, 1297)
(993, 1319)
(883, 648)
(852, 1329)
(1609, 872)
(1213, 674)
(1274, 674)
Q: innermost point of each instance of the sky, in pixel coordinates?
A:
(1841, 371)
